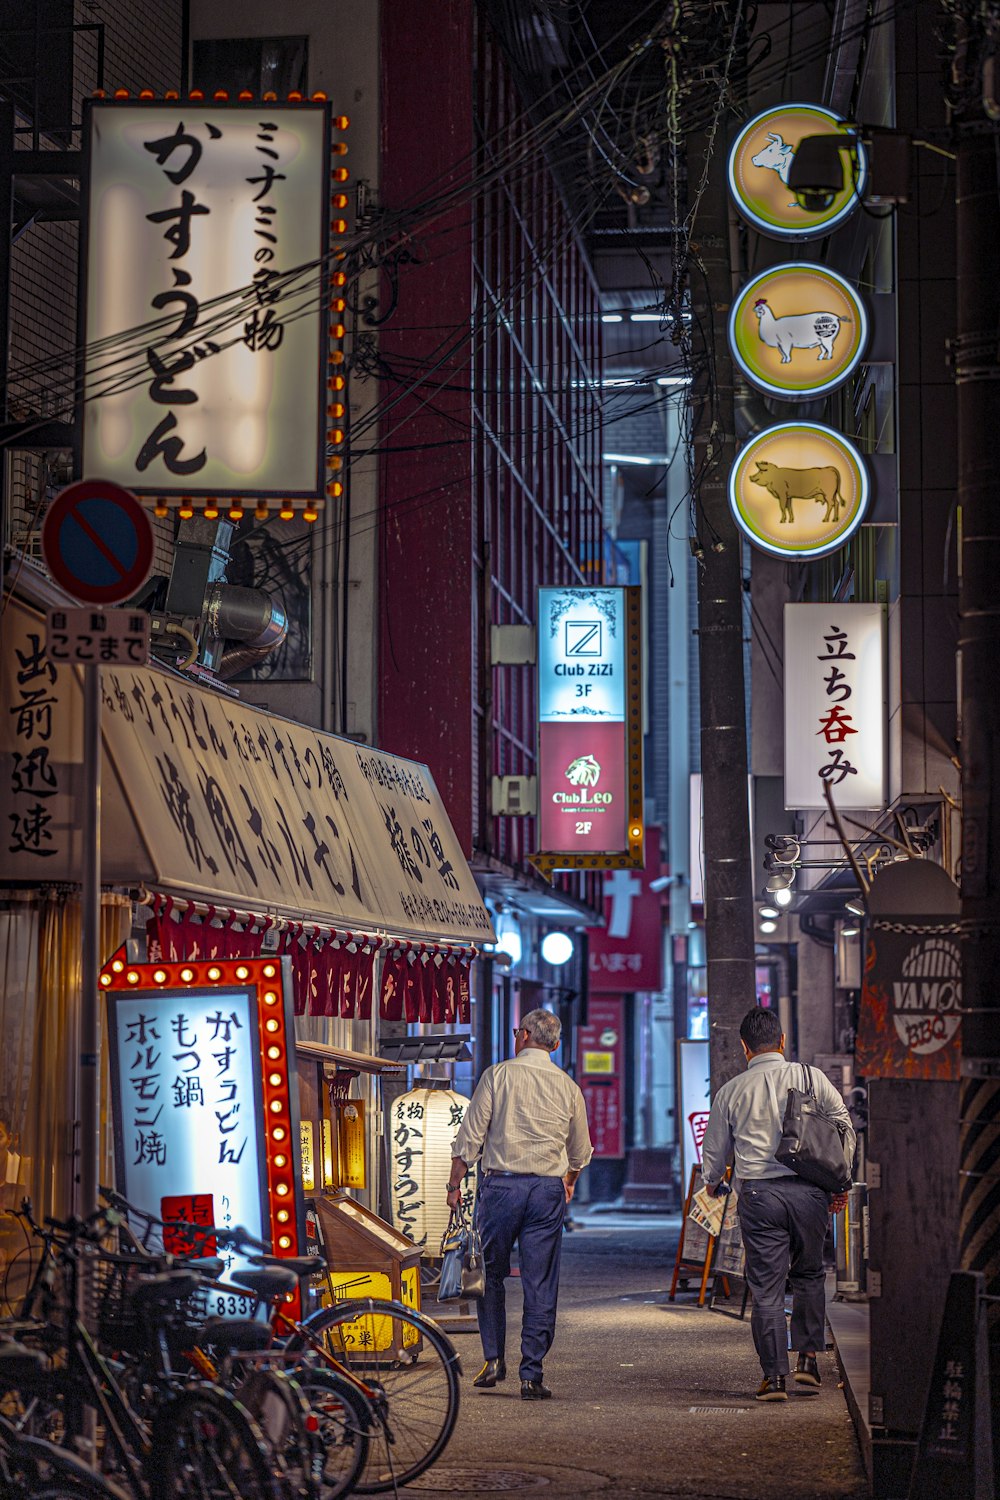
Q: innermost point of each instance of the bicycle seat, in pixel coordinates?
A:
(235, 1335)
(301, 1265)
(267, 1284)
(18, 1362)
(171, 1286)
(209, 1266)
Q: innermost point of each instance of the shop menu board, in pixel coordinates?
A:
(204, 1119)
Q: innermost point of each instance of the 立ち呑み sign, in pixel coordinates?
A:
(202, 276)
(835, 731)
(798, 331)
(798, 490)
(760, 160)
(589, 702)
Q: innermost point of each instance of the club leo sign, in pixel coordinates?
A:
(759, 163)
(835, 709)
(589, 728)
(799, 490)
(798, 331)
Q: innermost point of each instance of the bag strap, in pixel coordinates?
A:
(809, 1088)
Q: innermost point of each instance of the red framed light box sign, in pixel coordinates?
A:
(206, 1122)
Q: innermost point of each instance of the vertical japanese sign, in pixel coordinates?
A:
(589, 729)
(835, 710)
(203, 276)
(205, 1122)
(600, 1066)
(626, 954)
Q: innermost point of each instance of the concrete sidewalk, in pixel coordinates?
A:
(649, 1397)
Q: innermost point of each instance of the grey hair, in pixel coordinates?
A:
(543, 1027)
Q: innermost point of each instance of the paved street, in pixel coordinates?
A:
(649, 1398)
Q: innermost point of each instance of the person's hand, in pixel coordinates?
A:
(713, 1192)
(838, 1202)
(454, 1197)
(569, 1188)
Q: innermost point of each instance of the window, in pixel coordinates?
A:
(263, 65)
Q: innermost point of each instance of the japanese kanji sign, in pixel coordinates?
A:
(205, 234)
(600, 1070)
(207, 797)
(102, 636)
(206, 1125)
(835, 711)
(626, 954)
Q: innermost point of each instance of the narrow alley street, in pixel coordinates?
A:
(649, 1397)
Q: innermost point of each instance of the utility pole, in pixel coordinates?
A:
(728, 877)
(977, 376)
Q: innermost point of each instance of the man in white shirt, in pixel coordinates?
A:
(528, 1122)
(783, 1218)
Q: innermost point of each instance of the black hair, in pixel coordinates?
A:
(761, 1029)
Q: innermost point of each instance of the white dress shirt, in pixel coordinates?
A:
(526, 1115)
(744, 1126)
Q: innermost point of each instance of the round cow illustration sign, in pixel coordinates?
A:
(761, 158)
(798, 331)
(799, 490)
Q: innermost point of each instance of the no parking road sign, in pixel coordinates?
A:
(97, 541)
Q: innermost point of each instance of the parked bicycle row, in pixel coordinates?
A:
(217, 1373)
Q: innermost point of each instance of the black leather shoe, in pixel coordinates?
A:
(534, 1390)
(492, 1371)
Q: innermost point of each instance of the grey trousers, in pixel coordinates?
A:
(784, 1221)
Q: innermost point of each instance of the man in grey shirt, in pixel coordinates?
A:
(528, 1122)
(783, 1218)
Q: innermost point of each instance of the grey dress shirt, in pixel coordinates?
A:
(527, 1116)
(744, 1126)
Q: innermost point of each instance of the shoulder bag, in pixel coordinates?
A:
(813, 1143)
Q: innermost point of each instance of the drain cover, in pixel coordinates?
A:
(461, 1481)
(446, 1480)
(716, 1411)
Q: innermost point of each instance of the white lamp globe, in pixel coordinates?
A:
(508, 938)
(782, 897)
(557, 947)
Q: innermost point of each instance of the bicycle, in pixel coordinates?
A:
(413, 1400)
(198, 1441)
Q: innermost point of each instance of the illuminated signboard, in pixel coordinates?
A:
(206, 1126)
(758, 172)
(798, 490)
(798, 331)
(835, 705)
(589, 731)
(206, 229)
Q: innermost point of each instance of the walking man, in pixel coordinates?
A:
(528, 1122)
(783, 1218)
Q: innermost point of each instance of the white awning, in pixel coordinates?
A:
(214, 800)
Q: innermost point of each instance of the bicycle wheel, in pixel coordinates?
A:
(414, 1393)
(205, 1446)
(344, 1418)
(276, 1401)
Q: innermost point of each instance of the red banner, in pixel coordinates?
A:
(599, 1070)
(626, 954)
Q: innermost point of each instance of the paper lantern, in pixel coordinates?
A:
(423, 1125)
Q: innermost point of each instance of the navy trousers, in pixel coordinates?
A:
(530, 1212)
(783, 1221)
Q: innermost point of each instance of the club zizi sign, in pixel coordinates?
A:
(798, 331)
(589, 729)
(799, 490)
(760, 160)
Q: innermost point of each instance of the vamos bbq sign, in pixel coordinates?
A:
(589, 729)
(911, 997)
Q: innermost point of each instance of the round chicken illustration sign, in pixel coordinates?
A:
(760, 161)
(799, 490)
(798, 331)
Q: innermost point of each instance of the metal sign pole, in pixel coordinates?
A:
(88, 1084)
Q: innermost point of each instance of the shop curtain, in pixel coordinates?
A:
(50, 1113)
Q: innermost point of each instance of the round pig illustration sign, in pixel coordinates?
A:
(761, 158)
(798, 331)
(798, 490)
